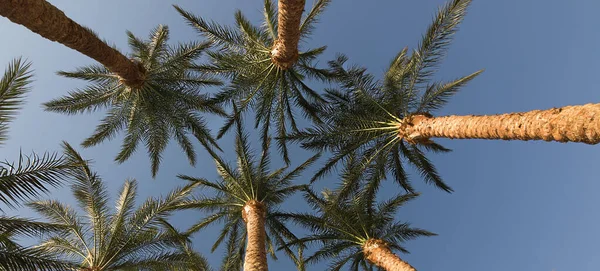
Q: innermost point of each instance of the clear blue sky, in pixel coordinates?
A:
(518, 205)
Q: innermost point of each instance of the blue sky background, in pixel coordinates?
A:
(517, 205)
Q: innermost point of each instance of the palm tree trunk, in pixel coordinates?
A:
(580, 123)
(377, 252)
(256, 252)
(285, 50)
(51, 23)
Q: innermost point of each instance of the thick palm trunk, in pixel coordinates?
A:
(377, 252)
(579, 123)
(285, 50)
(51, 23)
(256, 252)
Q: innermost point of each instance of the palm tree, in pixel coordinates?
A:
(285, 49)
(166, 105)
(357, 230)
(362, 110)
(248, 197)
(244, 54)
(391, 119)
(129, 239)
(51, 23)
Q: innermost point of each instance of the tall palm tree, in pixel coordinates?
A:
(357, 230)
(390, 120)
(362, 110)
(244, 54)
(285, 49)
(168, 104)
(128, 239)
(246, 201)
(51, 23)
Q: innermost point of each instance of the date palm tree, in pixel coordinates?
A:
(356, 230)
(167, 105)
(43, 18)
(129, 238)
(360, 110)
(245, 54)
(391, 121)
(246, 201)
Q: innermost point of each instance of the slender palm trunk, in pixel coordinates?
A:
(51, 23)
(285, 50)
(377, 252)
(256, 252)
(580, 123)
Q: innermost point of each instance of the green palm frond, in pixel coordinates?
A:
(364, 115)
(129, 238)
(341, 225)
(249, 180)
(14, 84)
(169, 105)
(15, 257)
(30, 259)
(243, 55)
(31, 176)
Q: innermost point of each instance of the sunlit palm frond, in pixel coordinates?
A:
(129, 238)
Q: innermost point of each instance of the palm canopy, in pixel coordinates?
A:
(250, 182)
(365, 113)
(129, 238)
(343, 226)
(167, 105)
(243, 55)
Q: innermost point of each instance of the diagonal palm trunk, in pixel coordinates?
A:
(285, 50)
(51, 23)
(580, 123)
(256, 253)
(377, 252)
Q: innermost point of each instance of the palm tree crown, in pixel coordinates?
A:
(252, 183)
(168, 104)
(344, 226)
(243, 55)
(365, 114)
(129, 239)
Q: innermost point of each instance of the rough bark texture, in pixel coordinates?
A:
(285, 50)
(51, 23)
(256, 251)
(579, 123)
(377, 252)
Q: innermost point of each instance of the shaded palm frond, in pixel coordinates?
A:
(168, 105)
